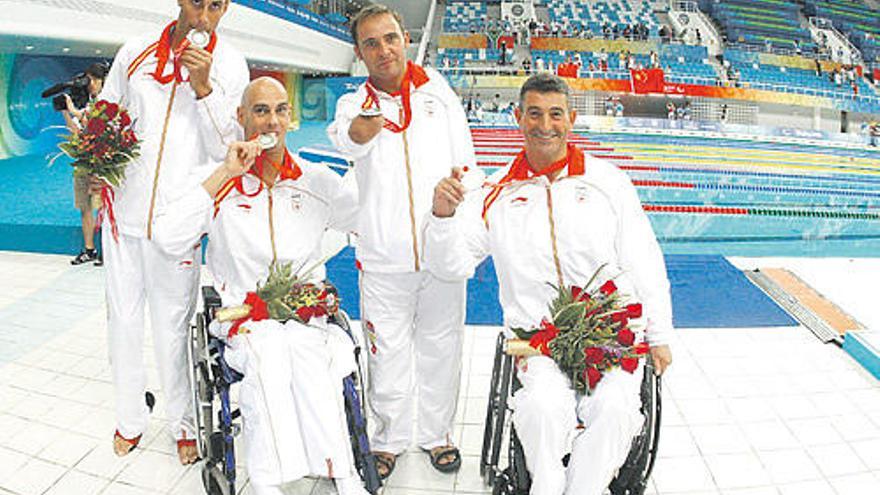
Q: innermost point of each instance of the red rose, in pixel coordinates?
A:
(541, 341)
(305, 313)
(111, 110)
(629, 364)
(642, 348)
(634, 310)
(259, 310)
(593, 376)
(608, 288)
(124, 119)
(619, 317)
(101, 104)
(626, 337)
(594, 355)
(96, 126)
(579, 294)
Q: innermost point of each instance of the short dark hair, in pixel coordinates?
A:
(98, 70)
(370, 11)
(544, 82)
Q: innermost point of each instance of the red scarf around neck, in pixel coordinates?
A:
(416, 76)
(288, 169)
(164, 53)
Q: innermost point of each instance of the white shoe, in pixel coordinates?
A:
(350, 486)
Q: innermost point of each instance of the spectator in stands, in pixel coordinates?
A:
(797, 47)
(699, 36)
(618, 107)
(503, 49)
(874, 132)
(723, 117)
(609, 106)
(818, 68)
(539, 64)
(686, 112)
(655, 60)
(606, 31)
(679, 112)
(838, 78)
(550, 67)
(527, 66)
(855, 88)
(670, 110)
(768, 45)
(627, 33)
(415, 321)
(591, 68)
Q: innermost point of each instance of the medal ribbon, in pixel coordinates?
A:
(164, 52)
(288, 169)
(414, 75)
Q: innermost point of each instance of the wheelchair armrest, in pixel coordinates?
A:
(211, 297)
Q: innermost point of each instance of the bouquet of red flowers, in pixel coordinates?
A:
(102, 149)
(284, 296)
(588, 334)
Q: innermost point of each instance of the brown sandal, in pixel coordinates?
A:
(187, 451)
(385, 461)
(123, 446)
(450, 453)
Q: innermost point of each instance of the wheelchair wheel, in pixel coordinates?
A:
(201, 381)
(214, 481)
(491, 412)
(632, 478)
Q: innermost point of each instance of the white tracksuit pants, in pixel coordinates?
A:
(412, 320)
(546, 413)
(137, 271)
(291, 400)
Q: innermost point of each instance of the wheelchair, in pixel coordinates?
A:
(632, 477)
(215, 418)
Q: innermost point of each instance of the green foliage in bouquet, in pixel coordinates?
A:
(588, 333)
(105, 144)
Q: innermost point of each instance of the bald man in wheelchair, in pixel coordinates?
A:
(554, 216)
(262, 207)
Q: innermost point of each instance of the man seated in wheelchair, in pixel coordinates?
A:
(551, 219)
(262, 207)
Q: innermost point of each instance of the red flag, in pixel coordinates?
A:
(647, 80)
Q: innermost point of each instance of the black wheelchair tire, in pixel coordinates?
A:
(491, 412)
(214, 481)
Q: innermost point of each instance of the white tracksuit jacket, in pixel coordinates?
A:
(291, 395)
(437, 140)
(598, 220)
(177, 133)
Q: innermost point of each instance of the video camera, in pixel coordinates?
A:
(78, 89)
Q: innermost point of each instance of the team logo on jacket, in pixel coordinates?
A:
(244, 207)
(185, 265)
(371, 334)
(519, 201)
(581, 193)
(296, 201)
(430, 107)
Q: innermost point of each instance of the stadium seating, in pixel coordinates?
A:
(592, 16)
(464, 17)
(857, 20)
(761, 22)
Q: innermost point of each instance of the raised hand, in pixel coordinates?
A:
(448, 194)
(198, 62)
(240, 157)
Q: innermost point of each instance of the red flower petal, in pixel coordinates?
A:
(634, 310)
(629, 364)
(593, 376)
(626, 337)
(608, 288)
(594, 355)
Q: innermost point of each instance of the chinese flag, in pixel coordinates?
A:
(647, 80)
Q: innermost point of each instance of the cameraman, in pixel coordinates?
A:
(73, 117)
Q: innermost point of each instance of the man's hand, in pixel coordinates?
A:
(662, 358)
(198, 63)
(363, 129)
(448, 194)
(240, 157)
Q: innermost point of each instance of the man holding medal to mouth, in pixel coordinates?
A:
(404, 129)
(180, 88)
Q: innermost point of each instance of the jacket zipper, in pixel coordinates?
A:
(553, 243)
(412, 208)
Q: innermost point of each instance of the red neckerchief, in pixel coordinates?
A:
(164, 52)
(288, 169)
(414, 75)
(520, 170)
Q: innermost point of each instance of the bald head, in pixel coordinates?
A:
(265, 109)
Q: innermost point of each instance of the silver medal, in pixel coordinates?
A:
(371, 112)
(267, 141)
(199, 39)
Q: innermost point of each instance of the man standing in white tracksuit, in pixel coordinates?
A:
(274, 212)
(554, 216)
(404, 129)
(181, 98)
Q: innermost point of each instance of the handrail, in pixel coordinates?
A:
(828, 24)
(426, 33)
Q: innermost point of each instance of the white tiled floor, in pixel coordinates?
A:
(746, 411)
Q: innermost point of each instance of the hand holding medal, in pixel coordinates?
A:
(197, 60)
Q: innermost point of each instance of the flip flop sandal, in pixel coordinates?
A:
(132, 442)
(439, 453)
(184, 443)
(385, 462)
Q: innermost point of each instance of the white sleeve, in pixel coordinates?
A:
(640, 257)
(179, 223)
(347, 108)
(115, 87)
(459, 130)
(344, 215)
(454, 246)
(217, 120)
